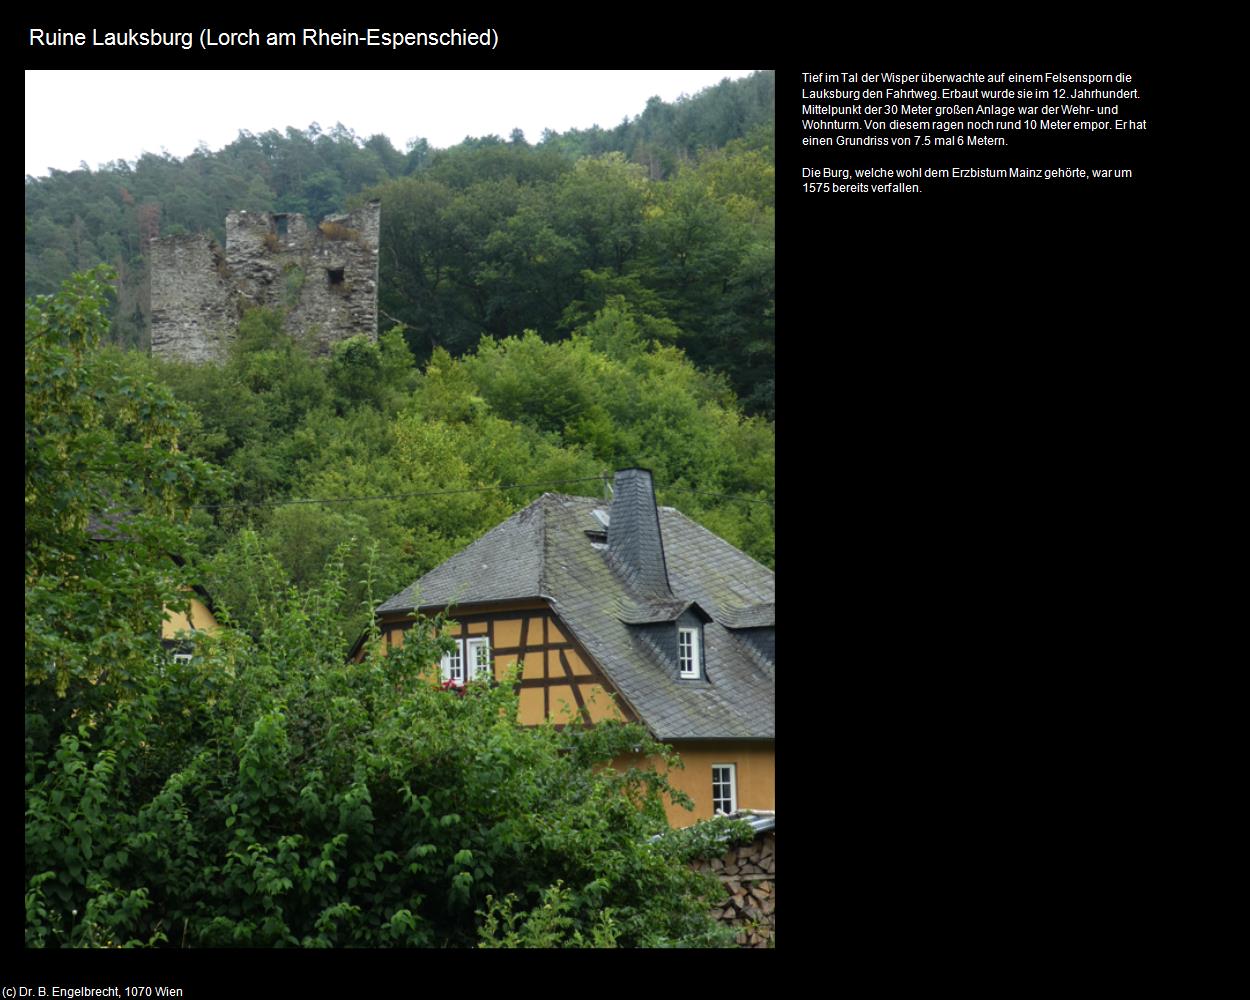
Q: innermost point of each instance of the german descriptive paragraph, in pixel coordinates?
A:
(932, 129)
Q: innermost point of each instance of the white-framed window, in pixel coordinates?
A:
(453, 664)
(182, 657)
(470, 661)
(724, 788)
(477, 651)
(688, 652)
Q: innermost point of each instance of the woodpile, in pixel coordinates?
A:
(748, 873)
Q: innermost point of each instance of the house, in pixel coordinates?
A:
(176, 626)
(621, 610)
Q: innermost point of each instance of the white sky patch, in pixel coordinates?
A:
(98, 116)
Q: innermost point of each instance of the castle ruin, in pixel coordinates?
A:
(325, 278)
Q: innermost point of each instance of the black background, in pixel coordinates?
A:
(968, 396)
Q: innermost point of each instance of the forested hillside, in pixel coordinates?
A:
(672, 211)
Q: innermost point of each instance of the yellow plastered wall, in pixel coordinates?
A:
(599, 703)
(198, 618)
(530, 710)
(533, 669)
(508, 632)
(755, 767)
(504, 664)
(575, 662)
(562, 704)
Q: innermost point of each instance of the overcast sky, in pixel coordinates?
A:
(76, 116)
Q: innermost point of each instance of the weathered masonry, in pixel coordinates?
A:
(324, 277)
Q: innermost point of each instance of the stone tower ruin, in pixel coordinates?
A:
(325, 278)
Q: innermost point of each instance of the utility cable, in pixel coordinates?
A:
(392, 496)
(440, 493)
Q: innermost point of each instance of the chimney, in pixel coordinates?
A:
(634, 544)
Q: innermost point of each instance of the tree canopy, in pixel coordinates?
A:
(422, 461)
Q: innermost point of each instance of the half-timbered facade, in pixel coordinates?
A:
(620, 610)
(559, 679)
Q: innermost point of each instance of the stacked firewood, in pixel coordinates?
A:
(748, 873)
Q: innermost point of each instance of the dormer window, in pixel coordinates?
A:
(688, 658)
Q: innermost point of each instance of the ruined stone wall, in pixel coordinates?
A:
(325, 278)
(748, 873)
(339, 294)
(192, 307)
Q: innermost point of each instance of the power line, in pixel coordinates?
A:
(440, 493)
(392, 496)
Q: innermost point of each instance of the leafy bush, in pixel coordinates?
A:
(311, 802)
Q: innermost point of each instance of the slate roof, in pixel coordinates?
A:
(504, 564)
(544, 552)
(109, 526)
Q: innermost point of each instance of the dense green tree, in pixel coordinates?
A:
(666, 135)
(600, 205)
(611, 393)
(305, 801)
(106, 483)
(415, 259)
(419, 456)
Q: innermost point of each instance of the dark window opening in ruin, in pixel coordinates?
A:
(279, 224)
(335, 275)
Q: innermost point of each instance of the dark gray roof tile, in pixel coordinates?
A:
(543, 551)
